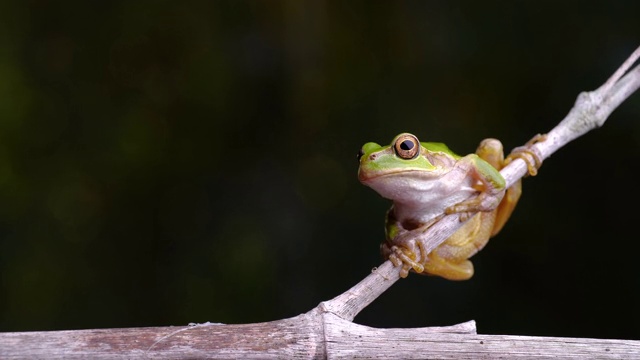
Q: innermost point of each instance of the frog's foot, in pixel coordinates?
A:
(448, 269)
(405, 258)
(530, 155)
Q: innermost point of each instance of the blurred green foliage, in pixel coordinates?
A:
(168, 162)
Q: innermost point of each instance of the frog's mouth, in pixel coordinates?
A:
(368, 176)
(419, 174)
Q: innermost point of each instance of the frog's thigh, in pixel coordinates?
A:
(449, 260)
(469, 239)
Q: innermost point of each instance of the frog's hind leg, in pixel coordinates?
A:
(507, 205)
(450, 259)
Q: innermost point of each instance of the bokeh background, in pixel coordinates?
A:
(166, 162)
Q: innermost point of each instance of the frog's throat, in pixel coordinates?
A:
(365, 176)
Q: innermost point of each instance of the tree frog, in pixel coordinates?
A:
(427, 180)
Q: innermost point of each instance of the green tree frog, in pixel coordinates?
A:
(427, 180)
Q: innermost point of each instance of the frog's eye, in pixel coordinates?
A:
(407, 146)
(360, 153)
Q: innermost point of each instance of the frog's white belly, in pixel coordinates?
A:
(423, 200)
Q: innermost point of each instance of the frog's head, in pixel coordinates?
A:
(398, 169)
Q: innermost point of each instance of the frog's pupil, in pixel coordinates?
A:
(406, 145)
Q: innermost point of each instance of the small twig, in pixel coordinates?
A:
(621, 71)
(348, 304)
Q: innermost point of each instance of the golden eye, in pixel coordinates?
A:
(407, 146)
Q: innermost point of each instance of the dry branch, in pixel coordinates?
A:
(314, 335)
(327, 331)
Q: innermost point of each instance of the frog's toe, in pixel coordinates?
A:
(530, 155)
(404, 257)
(404, 272)
(463, 208)
(531, 158)
(466, 216)
(394, 260)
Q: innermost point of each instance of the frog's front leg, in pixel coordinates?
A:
(404, 244)
(449, 260)
(400, 257)
(484, 166)
(404, 250)
(490, 183)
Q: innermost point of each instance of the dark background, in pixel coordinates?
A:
(167, 162)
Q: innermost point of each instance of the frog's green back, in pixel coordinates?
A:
(439, 147)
